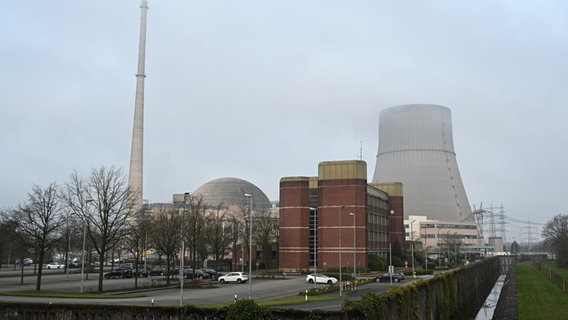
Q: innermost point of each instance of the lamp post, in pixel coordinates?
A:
(250, 246)
(182, 255)
(340, 264)
(83, 252)
(390, 263)
(412, 247)
(68, 248)
(439, 248)
(426, 246)
(354, 244)
(315, 244)
(391, 268)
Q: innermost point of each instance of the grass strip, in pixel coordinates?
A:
(559, 271)
(537, 297)
(291, 300)
(57, 294)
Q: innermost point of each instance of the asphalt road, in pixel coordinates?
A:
(59, 280)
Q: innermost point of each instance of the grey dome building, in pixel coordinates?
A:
(229, 192)
(416, 148)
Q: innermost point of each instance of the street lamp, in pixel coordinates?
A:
(83, 253)
(354, 244)
(68, 247)
(340, 273)
(426, 245)
(412, 247)
(250, 246)
(439, 248)
(314, 219)
(182, 255)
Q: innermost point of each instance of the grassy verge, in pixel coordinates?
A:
(552, 265)
(56, 294)
(537, 297)
(291, 300)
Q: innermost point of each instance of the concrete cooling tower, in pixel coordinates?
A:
(416, 148)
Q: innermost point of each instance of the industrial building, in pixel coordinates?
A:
(337, 218)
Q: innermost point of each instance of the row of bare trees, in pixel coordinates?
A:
(209, 232)
(98, 211)
(97, 207)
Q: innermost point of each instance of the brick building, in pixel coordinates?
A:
(337, 212)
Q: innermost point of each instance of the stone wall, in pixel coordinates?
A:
(456, 294)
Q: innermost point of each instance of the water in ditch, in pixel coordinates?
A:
(488, 308)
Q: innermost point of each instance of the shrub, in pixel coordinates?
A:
(246, 309)
(376, 263)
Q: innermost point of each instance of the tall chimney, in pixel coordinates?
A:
(135, 177)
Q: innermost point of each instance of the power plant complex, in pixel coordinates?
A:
(416, 195)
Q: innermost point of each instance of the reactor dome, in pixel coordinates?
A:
(229, 192)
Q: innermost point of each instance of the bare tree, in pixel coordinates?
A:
(219, 239)
(555, 234)
(104, 204)
(453, 244)
(165, 233)
(136, 238)
(235, 236)
(265, 234)
(13, 244)
(194, 226)
(40, 221)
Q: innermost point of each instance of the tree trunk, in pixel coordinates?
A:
(101, 259)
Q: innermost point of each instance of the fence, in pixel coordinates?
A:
(554, 277)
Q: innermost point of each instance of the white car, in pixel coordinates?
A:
(320, 278)
(55, 265)
(237, 277)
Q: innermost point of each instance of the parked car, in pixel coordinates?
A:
(199, 274)
(210, 271)
(385, 277)
(157, 271)
(237, 277)
(320, 278)
(27, 262)
(119, 273)
(140, 272)
(55, 265)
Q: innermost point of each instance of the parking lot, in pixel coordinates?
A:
(152, 292)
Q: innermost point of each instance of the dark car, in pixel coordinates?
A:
(157, 271)
(143, 273)
(210, 271)
(198, 274)
(386, 277)
(119, 273)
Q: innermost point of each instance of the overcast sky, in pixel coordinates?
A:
(261, 90)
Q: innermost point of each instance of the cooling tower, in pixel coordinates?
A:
(416, 148)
